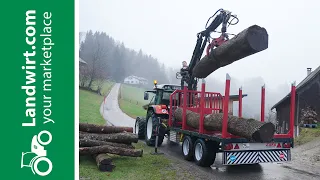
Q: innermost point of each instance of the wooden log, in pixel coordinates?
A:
(94, 128)
(247, 128)
(104, 162)
(91, 143)
(106, 167)
(104, 159)
(126, 138)
(110, 150)
(250, 41)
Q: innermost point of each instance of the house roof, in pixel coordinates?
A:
(305, 81)
(82, 61)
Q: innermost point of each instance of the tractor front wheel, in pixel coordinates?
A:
(140, 127)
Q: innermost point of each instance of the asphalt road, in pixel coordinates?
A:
(111, 112)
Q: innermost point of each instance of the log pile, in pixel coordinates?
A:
(100, 142)
(247, 128)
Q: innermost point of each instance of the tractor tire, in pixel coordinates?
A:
(140, 127)
(188, 148)
(204, 153)
(150, 133)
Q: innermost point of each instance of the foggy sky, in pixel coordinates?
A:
(167, 30)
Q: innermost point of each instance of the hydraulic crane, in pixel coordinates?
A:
(221, 17)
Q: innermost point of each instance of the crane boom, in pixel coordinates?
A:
(203, 38)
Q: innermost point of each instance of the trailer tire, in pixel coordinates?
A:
(140, 127)
(188, 148)
(204, 153)
(150, 132)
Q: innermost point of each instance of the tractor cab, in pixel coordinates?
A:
(161, 93)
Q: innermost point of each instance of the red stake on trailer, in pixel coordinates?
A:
(226, 108)
(201, 122)
(240, 103)
(292, 108)
(263, 92)
(184, 110)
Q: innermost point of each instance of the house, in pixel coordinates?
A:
(307, 96)
(135, 80)
(82, 66)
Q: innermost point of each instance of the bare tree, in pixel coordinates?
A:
(83, 76)
(97, 66)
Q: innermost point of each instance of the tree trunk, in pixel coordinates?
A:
(104, 162)
(126, 138)
(91, 143)
(250, 41)
(110, 150)
(93, 128)
(247, 128)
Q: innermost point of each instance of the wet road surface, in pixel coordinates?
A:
(111, 112)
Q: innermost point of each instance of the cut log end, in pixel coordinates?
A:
(257, 38)
(265, 133)
(106, 168)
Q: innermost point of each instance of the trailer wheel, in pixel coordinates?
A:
(187, 148)
(140, 127)
(204, 153)
(150, 132)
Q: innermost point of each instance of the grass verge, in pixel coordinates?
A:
(307, 135)
(130, 168)
(90, 102)
(131, 101)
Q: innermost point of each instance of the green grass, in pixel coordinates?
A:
(131, 100)
(131, 109)
(105, 88)
(131, 168)
(90, 102)
(133, 94)
(307, 135)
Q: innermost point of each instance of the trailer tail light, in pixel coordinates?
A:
(228, 147)
(279, 145)
(236, 146)
(287, 145)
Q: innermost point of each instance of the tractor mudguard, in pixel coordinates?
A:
(157, 109)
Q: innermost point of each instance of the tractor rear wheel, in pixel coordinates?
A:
(140, 127)
(151, 129)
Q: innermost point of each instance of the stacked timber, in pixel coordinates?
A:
(100, 142)
(250, 129)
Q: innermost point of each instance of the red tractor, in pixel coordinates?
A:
(157, 114)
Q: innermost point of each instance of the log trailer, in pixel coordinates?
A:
(199, 144)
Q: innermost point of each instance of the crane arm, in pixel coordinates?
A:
(221, 17)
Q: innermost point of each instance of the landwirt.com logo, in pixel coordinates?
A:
(37, 93)
(37, 155)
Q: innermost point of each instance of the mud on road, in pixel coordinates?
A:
(302, 167)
